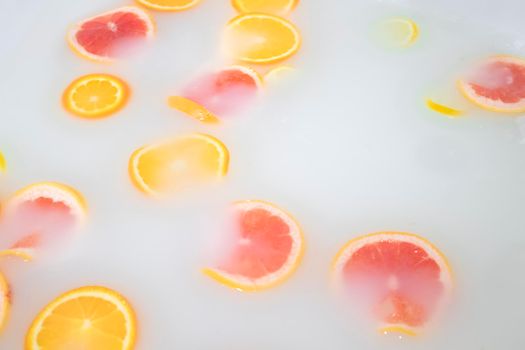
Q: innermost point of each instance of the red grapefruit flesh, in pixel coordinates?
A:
(498, 84)
(108, 36)
(401, 277)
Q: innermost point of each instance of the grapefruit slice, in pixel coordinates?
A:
(261, 38)
(95, 96)
(107, 36)
(5, 302)
(218, 94)
(185, 162)
(401, 277)
(497, 84)
(84, 318)
(40, 214)
(268, 246)
(169, 5)
(276, 7)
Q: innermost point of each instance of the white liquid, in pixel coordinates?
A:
(348, 148)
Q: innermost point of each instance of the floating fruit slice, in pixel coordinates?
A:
(95, 96)
(177, 164)
(398, 32)
(268, 246)
(110, 35)
(218, 94)
(402, 277)
(84, 318)
(169, 5)
(3, 163)
(440, 108)
(276, 7)
(497, 85)
(5, 301)
(261, 38)
(279, 74)
(42, 213)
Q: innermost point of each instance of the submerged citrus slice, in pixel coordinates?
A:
(169, 5)
(267, 247)
(174, 165)
(401, 277)
(276, 7)
(261, 38)
(3, 163)
(95, 96)
(279, 74)
(84, 318)
(218, 94)
(5, 301)
(498, 85)
(398, 32)
(111, 34)
(40, 214)
(441, 108)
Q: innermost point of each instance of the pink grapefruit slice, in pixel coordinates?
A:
(267, 246)
(218, 94)
(109, 35)
(402, 278)
(497, 84)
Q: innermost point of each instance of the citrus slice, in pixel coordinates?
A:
(261, 38)
(268, 246)
(3, 163)
(497, 85)
(95, 96)
(401, 277)
(84, 318)
(441, 108)
(169, 5)
(111, 34)
(218, 94)
(5, 301)
(40, 214)
(276, 7)
(170, 166)
(279, 74)
(398, 32)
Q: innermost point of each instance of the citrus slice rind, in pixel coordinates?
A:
(442, 109)
(279, 74)
(95, 96)
(136, 163)
(275, 7)
(354, 245)
(273, 279)
(169, 5)
(25, 254)
(468, 89)
(84, 321)
(5, 302)
(398, 32)
(261, 38)
(77, 48)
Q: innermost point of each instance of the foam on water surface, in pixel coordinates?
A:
(349, 147)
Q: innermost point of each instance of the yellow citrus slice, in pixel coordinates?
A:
(3, 163)
(440, 108)
(261, 38)
(402, 278)
(84, 318)
(5, 301)
(193, 109)
(267, 247)
(279, 74)
(95, 96)
(497, 84)
(110, 35)
(276, 7)
(399, 32)
(169, 5)
(177, 164)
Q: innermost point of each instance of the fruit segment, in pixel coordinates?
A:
(441, 108)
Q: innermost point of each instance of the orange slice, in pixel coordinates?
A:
(5, 302)
(441, 108)
(41, 213)
(95, 96)
(401, 277)
(276, 7)
(268, 246)
(170, 166)
(261, 38)
(169, 5)
(110, 35)
(497, 84)
(84, 318)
